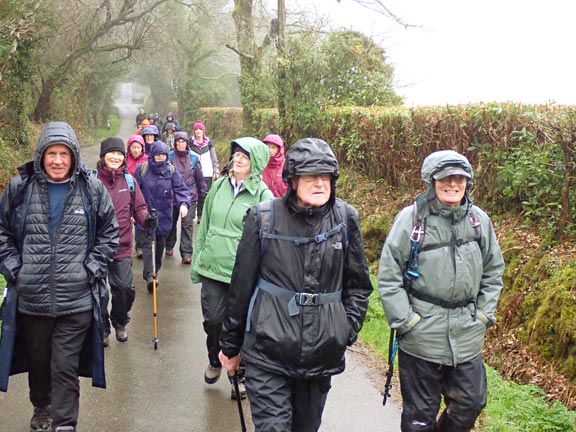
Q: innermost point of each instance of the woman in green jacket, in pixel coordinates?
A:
(439, 279)
(239, 188)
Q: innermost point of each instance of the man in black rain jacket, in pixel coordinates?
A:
(298, 295)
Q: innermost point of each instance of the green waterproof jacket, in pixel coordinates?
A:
(470, 271)
(223, 216)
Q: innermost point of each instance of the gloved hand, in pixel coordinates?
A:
(151, 222)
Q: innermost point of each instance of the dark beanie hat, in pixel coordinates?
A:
(112, 144)
(238, 148)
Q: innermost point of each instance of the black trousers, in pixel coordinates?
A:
(123, 294)
(283, 404)
(423, 384)
(139, 238)
(147, 255)
(53, 348)
(213, 298)
(201, 199)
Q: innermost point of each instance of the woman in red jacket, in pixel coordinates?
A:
(272, 174)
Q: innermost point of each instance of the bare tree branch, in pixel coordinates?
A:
(241, 54)
(379, 7)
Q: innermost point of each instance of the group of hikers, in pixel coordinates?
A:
(280, 259)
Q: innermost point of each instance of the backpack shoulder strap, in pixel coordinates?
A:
(129, 181)
(265, 217)
(131, 188)
(475, 221)
(418, 219)
(342, 212)
(143, 169)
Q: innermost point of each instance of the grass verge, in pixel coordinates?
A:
(114, 128)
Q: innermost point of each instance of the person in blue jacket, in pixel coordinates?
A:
(190, 168)
(161, 185)
(58, 232)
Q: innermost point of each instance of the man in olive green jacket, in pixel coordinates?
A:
(441, 301)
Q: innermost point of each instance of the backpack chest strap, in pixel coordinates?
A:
(319, 238)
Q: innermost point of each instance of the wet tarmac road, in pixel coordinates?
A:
(163, 389)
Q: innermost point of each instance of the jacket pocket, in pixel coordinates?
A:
(277, 334)
(332, 335)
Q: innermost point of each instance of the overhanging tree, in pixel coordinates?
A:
(117, 28)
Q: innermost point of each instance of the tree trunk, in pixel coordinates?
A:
(243, 22)
(43, 104)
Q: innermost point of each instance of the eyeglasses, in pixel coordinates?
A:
(309, 178)
(453, 178)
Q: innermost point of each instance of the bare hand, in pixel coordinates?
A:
(230, 364)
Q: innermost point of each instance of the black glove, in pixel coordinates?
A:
(151, 222)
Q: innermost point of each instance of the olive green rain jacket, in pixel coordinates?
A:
(223, 216)
(470, 271)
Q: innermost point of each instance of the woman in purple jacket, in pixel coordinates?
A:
(128, 205)
(190, 168)
(161, 186)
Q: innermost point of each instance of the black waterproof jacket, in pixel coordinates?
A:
(313, 342)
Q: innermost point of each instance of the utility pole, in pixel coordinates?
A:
(281, 68)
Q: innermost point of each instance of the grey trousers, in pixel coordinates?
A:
(186, 232)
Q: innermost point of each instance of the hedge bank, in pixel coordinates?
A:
(523, 158)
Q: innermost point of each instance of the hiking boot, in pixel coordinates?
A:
(150, 285)
(106, 340)
(139, 253)
(121, 334)
(241, 388)
(65, 429)
(186, 261)
(169, 252)
(42, 419)
(212, 374)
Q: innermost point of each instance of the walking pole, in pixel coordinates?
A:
(154, 279)
(239, 401)
(392, 349)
